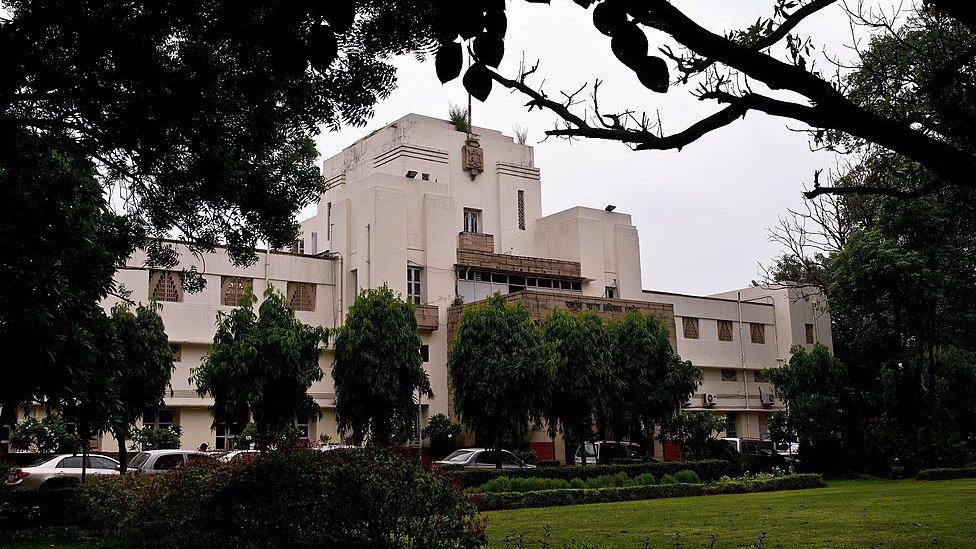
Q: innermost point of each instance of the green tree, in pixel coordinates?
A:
(694, 432)
(378, 370)
(582, 373)
(500, 370)
(260, 367)
(653, 382)
(440, 434)
(143, 367)
(152, 438)
(816, 389)
(47, 435)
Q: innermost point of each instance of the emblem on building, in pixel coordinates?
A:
(473, 157)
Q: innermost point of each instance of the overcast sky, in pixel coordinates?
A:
(702, 213)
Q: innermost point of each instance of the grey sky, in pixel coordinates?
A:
(702, 213)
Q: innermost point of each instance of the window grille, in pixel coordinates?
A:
(521, 209)
(165, 286)
(725, 330)
(690, 327)
(757, 332)
(414, 293)
(233, 289)
(728, 374)
(301, 296)
(811, 337)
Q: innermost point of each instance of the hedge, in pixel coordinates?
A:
(23, 510)
(946, 473)
(707, 470)
(551, 498)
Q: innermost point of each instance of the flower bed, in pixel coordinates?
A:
(492, 501)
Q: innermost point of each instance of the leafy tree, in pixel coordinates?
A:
(440, 433)
(653, 381)
(198, 115)
(260, 367)
(500, 370)
(694, 432)
(143, 367)
(152, 438)
(582, 373)
(905, 66)
(47, 435)
(817, 391)
(378, 369)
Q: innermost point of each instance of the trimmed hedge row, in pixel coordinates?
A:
(946, 473)
(22, 510)
(707, 470)
(551, 498)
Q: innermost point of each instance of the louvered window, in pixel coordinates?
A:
(233, 289)
(690, 327)
(725, 330)
(301, 296)
(757, 332)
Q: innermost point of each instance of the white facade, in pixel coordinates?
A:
(400, 198)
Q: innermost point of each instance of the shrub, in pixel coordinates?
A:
(645, 479)
(549, 498)
(293, 497)
(577, 484)
(947, 473)
(151, 438)
(669, 479)
(440, 433)
(707, 470)
(548, 463)
(687, 476)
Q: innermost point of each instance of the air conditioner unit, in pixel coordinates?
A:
(709, 400)
(767, 399)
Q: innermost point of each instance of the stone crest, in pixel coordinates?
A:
(473, 157)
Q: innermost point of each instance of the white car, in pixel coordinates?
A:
(60, 471)
(239, 455)
(482, 458)
(158, 461)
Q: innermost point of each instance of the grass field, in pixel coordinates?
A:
(861, 513)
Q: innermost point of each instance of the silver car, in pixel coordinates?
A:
(61, 471)
(482, 458)
(159, 461)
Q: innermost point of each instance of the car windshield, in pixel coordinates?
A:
(458, 456)
(137, 461)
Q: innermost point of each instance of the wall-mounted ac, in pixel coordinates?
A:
(709, 400)
(767, 399)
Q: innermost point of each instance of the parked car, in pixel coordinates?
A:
(158, 461)
(757, 455)
(482, 458)
(239, 455)
(61, 471)
(606, 451)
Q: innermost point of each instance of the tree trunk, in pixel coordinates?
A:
(498, 453)
(120, 436)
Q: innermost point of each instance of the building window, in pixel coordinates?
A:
(301, 296)
(521, 209)
(472, 221)
(165, 286)
(226, 435)
(730, 431)
(298, 246)
(177, 351)
(159, 419)
(759, 376)
(757, 332)
(303, 429)
(811, 338)
(233, 289)
(313, 242)
(354, 283)
(414, 293)
(610, 292)
(328, 221)
(725, 330)
(425, 353)
(728, 374)
(690, 327)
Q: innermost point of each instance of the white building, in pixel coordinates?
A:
(436, 214)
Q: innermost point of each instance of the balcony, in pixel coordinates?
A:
(427, 320)
(476, 242)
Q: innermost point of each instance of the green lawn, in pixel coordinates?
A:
(861, 513)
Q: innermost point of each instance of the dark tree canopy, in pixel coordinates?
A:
(911, 94)
(261, 366)
(378, 370)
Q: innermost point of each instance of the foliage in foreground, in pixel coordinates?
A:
(549, 498)
(707, 470)
(291, 498)
(947, 473)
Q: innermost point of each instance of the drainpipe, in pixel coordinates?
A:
(267, 263)
(742, 352)
(369, 251)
